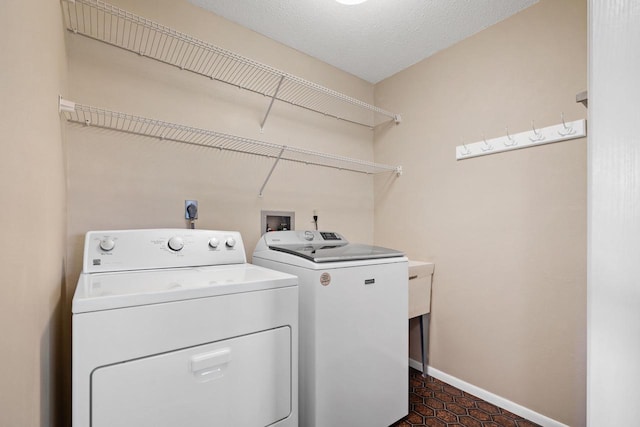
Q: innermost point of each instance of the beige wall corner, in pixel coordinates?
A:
(507, 232)
(32, 218)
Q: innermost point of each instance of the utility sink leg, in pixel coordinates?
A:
(424, 338)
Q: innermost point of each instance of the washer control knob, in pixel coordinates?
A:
(213, 242)
(107, 244)
(175, 243)
(231, 242)
(308, 235)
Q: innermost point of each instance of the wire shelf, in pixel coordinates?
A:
(104, 22)
(101, 118)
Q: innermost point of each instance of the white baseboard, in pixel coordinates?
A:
(415, 364)
(488, 396)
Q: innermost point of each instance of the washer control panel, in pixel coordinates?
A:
(291, 237)
(120, 250)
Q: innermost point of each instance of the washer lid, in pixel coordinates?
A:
(338, 252)
(105, 291)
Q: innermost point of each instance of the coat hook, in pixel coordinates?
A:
(537, 135)
(567, 130)
(512, 141)
(486, 146)
(466, 151)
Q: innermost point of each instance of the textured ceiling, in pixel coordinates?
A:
(372, 40)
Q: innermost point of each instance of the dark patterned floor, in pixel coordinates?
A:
(435, 403)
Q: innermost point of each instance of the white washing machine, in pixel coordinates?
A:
(172, 327)
(353, 326)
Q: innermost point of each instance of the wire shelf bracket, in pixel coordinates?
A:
(104, 22)
(273, 98)
(123, 122)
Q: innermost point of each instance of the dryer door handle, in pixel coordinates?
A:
(211, 364)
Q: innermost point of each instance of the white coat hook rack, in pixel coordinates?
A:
(548, 135)
(510, 142)
(172, 132)
(566, 130)
(485, 146)
(537, 135)
(464, 150)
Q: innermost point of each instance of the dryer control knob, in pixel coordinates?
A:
(175, 243)
(213, 242)
(308, 235)
(231, 242)
(107, 244)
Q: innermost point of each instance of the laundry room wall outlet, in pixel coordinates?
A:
(190, 209)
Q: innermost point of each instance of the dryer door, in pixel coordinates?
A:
(243, 381)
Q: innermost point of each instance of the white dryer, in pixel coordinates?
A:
(172, 327)
(353, 326)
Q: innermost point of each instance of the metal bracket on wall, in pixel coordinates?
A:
(583, 97)
(273, 98)
(271, 171)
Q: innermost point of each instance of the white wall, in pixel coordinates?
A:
(614, 214)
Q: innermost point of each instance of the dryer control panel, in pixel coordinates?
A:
(121, 250)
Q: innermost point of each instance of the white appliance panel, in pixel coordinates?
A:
(121, 250)
(114, 336)
(352, 331)
(103, 291)
(353, 354)
(240, 382)
(153, 306)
